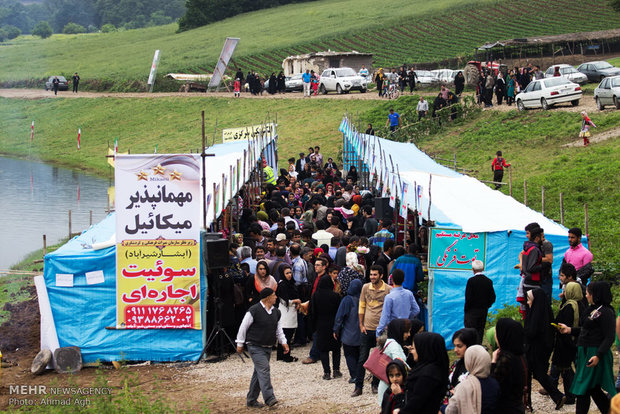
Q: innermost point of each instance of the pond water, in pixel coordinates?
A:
(35, 199)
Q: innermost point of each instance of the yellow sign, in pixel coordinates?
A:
(249, 132)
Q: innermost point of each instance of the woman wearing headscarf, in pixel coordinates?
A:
(258, 282)
(594, 369)
(346, 327)
(462, 340)
(427, 382)
(281, 83)
(539, 344)
(565, 346)
(352, 271)
(398, 332)
(509, 367)
(273, 84)
(323, 308)
(478, 393)
(288, 301)
(352, 174)
(459, 83)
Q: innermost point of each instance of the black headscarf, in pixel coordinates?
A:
(396, 330)
(416, 324)
(399, 364)
(600, 292)
(286, 288)
(432, 356)
(510, 336)
(325, 283)
(538, 319)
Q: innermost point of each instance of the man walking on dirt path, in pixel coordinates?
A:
(260, 327)
(306, 78)
(75, 82)
(393, 120)
(55, 84)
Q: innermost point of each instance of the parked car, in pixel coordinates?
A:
(568, 72)
(341, 80)
(543, 93)
(596, 71)
(294, 83)
(608, 93)
(444, 76)
(426, 78)
(62, 86)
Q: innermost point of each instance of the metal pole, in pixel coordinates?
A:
(69, 224)
(90, 218)
(510, 180)
(562, 208)
(542, 202)
(44, 245)
(430, 180)
(405, 227)
(203, 155)
(525, 192)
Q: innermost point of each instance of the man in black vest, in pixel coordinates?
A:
(259, 329)
(479, 297)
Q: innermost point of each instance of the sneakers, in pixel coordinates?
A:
(326, 376)
(337, 374)
(255, 404)
(357, 392)
(272, 403)
(352, 380)
(308, 361)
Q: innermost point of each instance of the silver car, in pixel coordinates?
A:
(608, 93)
(568, 72)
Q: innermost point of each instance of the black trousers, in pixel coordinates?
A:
(600, 399)
(498, 175)
(335, 361)
(368, 341)
(476, 319)
(75, 87)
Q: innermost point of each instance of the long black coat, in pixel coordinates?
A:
(323, 308)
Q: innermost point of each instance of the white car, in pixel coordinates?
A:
(568, 72)
(341, 80)
(444, 76)
(543, 93)
(608, 93)
(425, 78)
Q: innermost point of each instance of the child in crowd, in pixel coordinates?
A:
(237, 88)
(394, 397)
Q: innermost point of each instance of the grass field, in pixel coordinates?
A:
(406, 31)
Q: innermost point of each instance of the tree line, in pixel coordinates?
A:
(202, 12)
(79, 16)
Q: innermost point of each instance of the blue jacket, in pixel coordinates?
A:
(347, 323)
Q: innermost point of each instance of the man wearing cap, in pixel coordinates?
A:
(260, 327)
(301, 163)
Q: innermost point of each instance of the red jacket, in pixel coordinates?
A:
(499, 164)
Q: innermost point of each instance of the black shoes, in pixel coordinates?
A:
(337, 374)
(357, 392)
(255, 404)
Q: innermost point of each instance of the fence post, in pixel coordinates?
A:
(44, 245)
(510, 181)
(455, 161)
(562, 208)
(525, 192)
(69, 224)
(542, 200)
(585, 207)
(90, 217)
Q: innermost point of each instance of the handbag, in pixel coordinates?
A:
(377, 362)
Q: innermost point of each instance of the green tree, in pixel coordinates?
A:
(73, 28)
(42, 29)
(615, 4)
(11, 31)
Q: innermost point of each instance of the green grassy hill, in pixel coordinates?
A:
(406, 31)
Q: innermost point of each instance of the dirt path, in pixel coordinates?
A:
(595, 138)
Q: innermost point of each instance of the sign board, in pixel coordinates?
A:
(229, 47)
(451, 249)
(248, 132)
(153, 72)
(158, 241)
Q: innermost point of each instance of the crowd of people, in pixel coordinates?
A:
(506, 86)
(314, 264)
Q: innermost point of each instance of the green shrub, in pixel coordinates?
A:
(508, 311)
(11, 31)
(73, 28)
(108, 28)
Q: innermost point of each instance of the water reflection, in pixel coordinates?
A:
(35, 199)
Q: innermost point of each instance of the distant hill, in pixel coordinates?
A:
(406, 31)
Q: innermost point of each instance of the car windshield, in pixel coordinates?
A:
(615, 82)
(345, 72)
(602, 65)
(551, 82)
(567, 71)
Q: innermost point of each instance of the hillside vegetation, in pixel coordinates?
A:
(406, 31)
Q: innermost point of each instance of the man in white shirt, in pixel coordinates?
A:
(422, 108)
